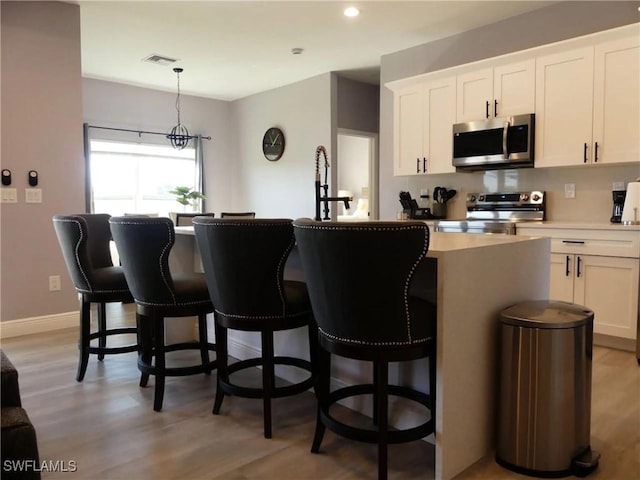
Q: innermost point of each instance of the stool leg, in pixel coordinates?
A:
(222, 361)
(374, 415)
(202, 334)
(102, 328)
(382, 378)
(83, 343)
(160, 366)
(312, 331)
(145, 344)
(323, 379)
(268, 379)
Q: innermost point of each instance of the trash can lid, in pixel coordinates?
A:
(546, 314)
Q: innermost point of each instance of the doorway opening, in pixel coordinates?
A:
(357, 167)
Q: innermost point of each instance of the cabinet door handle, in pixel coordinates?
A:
(585, 153)
(417, 165)
(580, 242)
(566, 270)
(495, 108)
(595, 153)
(486, 109)
(424, 164)
(578, 268)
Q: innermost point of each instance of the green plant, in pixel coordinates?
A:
(186, 196)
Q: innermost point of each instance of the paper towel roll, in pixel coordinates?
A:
(631, 209)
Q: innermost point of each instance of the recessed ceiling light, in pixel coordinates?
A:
(351, 12)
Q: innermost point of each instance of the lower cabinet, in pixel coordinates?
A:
(596, 267)
(606, 285)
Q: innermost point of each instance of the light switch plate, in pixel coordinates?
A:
(9, 195)
(618, 186)
(569, 190)
(33, 195)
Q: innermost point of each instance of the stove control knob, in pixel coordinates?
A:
(524, 197)
(535, 197)
(481, 198)
(472, 198)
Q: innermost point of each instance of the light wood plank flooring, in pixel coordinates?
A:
(107, 426)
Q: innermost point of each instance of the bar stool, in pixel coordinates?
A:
(359, 276)
(144, 245)
(244, 262)
(84, 241)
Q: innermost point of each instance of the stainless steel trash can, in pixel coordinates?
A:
(545, 389)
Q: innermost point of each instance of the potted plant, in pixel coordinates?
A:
(186, 196)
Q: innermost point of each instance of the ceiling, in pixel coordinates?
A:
(234, 49)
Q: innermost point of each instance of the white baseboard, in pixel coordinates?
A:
(46, 323)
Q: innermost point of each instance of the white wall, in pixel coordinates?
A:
(547, 25)
(122, 106)
(284, 188)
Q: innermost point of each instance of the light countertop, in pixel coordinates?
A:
(579, 225)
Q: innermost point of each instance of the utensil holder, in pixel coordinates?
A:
(439, 210)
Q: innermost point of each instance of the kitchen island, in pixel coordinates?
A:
(472, 278)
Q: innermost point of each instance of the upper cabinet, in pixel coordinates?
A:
(423, 118)
(587, 105)
(496, 92)
(585, 93)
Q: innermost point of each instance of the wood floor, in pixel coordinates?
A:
(106, 424)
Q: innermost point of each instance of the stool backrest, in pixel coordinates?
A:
(84, 241)
(144, 245)
(358, 276)
(243, 262)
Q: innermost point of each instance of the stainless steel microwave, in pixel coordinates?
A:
(494, 144)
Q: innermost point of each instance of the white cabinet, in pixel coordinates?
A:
(599, 269)
(496, 92)
(606, 285)
(587, 105)
(423, 118)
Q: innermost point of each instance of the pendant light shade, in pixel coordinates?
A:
(179, 136)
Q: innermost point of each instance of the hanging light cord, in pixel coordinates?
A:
(178, 70)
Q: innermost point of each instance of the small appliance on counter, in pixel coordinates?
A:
(412, 210)
(618, 205)
(631, 209)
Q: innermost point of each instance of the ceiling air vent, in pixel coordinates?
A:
(159, 59)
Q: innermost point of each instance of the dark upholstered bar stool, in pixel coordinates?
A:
(84, 240)
(244, 263)
(144, 245)
(358, 275)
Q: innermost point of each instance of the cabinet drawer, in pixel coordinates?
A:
(612, 243)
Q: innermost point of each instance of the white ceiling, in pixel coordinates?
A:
(233, 49)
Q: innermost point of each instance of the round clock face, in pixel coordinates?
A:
(273, 144)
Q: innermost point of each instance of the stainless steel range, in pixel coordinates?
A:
(497, 212)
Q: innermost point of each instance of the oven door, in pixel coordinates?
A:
(474, 226)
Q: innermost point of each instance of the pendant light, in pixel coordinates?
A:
(179, 136)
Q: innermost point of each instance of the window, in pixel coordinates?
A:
(137, 178)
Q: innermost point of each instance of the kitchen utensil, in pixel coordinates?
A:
(449, 195)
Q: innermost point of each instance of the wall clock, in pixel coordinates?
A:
(273, 144)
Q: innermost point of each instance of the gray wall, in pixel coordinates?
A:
(41, 130)
(551, 24)
(284, 188)
(358, 105)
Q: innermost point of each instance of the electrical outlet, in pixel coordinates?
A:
(569, 190)
(618, 186)
(54, 283)
(424, 193)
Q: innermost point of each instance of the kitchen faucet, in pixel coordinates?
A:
(320, 198)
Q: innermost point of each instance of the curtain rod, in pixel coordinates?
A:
(140, 132)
